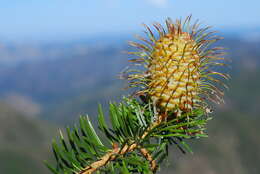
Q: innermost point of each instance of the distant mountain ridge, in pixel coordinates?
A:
(78, 68)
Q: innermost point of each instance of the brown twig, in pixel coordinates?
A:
(149, 157)
(112, 155)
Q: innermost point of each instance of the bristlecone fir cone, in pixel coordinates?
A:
(174, 71)
(178, 67)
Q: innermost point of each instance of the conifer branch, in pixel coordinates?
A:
(108, 157)
(111, 156)
(116, 151)
(170, 106)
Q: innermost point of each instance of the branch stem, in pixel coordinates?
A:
(112, 155)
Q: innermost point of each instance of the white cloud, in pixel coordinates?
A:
(158, 3)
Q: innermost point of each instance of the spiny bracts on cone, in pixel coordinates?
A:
(178, 67)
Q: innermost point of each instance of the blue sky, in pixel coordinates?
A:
(53, 19)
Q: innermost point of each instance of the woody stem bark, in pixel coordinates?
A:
(116, 151)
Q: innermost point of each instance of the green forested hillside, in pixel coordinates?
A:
(24, 142)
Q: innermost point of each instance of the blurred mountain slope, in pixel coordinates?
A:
(24, 142)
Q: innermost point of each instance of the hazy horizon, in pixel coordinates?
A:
(62, 19)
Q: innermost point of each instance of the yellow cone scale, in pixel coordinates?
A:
(174, 72)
